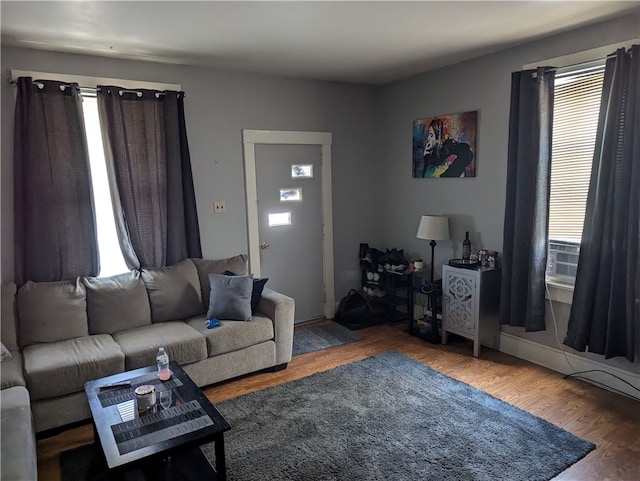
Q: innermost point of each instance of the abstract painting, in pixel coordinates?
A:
(445, 146)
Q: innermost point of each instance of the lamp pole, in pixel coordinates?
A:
(433, 335)
(433, 248)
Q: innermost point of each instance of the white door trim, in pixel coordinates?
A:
(249, 139)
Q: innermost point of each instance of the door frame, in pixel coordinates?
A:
(249, 140)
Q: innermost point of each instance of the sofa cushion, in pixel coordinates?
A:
(230, 297)
(116, 303)
(205, 267)
(174, 291)
(231, 336)
(8, 316)
(182, 343)
(18, 441)
(59, 368)
(11, 372)
(52, 311)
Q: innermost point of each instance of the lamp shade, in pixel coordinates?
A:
(433, 227)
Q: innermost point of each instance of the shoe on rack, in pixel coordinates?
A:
(376, 277)
(370, 276)
(364, 248)
(377, 292)
(371, 257)
(398, 262)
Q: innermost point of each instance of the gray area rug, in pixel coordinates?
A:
(309, 339)
(389, 417)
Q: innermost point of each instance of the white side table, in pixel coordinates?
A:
(470, 305)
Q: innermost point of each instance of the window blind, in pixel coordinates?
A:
(576, 107)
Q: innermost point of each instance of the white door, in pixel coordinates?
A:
(290, 224)
(289, 217)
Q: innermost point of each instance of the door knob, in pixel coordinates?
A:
(264, 245)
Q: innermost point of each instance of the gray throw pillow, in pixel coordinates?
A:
(205, 267)
(230, 297)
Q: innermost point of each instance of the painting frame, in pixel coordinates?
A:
(444, 146)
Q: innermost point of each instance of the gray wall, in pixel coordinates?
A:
(219, 104)
(375, 199)
(475, 204)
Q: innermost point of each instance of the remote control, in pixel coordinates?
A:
(116, 384)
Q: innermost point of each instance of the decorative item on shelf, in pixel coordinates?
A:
(418, 264)
(492, 259)
(468, 263)
(466, 247)
(433, 227)
(487, 258)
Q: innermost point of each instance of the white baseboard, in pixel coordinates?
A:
(555, 359)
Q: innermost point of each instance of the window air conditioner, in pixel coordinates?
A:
(562, 261)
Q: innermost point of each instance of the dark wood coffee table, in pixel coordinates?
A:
(158, 439)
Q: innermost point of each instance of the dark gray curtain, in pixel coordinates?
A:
(150, 173)
(522, 300)
(604, 312)
(55, 230)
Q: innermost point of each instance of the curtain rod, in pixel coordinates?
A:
(64, 85)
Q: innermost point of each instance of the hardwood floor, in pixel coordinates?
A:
(609, 420)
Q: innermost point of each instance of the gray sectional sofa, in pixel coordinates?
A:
(63, 334)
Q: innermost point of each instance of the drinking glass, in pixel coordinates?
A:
(165, 398)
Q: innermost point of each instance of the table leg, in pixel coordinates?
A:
(98, 444)
(221, 466)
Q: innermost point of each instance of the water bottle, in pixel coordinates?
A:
(163, 365)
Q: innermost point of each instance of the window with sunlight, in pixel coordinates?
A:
(111, 259)
(577, 95)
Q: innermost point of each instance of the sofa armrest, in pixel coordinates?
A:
(18, 443)
(280, 309)
(12, 372)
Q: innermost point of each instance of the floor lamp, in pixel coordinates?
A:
(434, 228)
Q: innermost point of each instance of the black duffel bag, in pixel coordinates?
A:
(358, 309)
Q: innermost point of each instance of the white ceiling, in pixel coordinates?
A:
(372, 42)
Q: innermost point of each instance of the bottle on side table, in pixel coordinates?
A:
(466, 247)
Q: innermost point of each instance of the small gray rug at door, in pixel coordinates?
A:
(389, 417)
(309, 339)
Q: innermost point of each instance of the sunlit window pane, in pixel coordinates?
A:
(279, 218)
(575, 122)
(111, 260)
(301, 170)
(291, 194)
